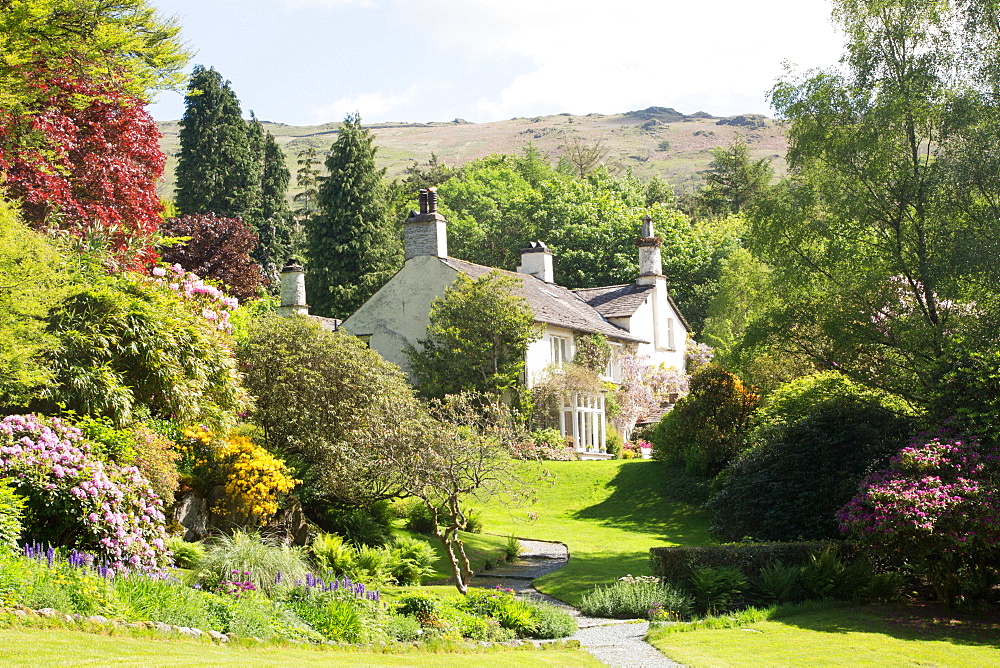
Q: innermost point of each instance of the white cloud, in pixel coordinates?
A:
(373, 107)
(596, 56)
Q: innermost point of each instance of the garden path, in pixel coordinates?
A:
(613, 642)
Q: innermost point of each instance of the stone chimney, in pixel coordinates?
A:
(536, 260)
(650, 263)
(425, 233)
(293, 290)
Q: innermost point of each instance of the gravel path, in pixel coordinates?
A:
(612, 642)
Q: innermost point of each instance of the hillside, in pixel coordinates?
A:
(634, 140)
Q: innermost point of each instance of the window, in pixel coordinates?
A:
(670, 334)
(614, 370)
(582, 420)
(559, 350)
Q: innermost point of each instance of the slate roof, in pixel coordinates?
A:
(622, 301)
(553, 304)
(329, 324)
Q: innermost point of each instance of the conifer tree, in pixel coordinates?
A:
(352, 249)
(276, 229)
(217, 171)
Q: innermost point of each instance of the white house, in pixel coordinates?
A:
(639, 315)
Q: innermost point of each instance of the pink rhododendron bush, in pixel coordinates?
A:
(937, 508)
(75, 499)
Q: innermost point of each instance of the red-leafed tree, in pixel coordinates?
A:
(219, 249)
(85, 159)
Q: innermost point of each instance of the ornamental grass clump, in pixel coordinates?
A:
(637, 598)
(268, 561)
(937, 507)
(76, 500)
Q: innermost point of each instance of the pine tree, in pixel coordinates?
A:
(308, 178)
(218, 171)
(276, 231)
(352, 249)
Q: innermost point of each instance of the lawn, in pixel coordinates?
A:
(870, 636)
(609, 513)
(61, 647)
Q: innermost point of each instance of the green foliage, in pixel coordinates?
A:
(367, 525)
(332, 554)
(372, 565)
(967, 395)
(33, 277)
(676, 563)
(734, 180)
(217, 169)
(814, 442)
(825, 575)
(715, 588)
(11, 512)
(707, 427)
(329, 406)
(636, 598)
(412, 560)
(127, 347)
(249, 553)
(421, 520)
(185, 554)
(549, 622)
(352, 248)
(593, 352)
(777, 583)
(513, 549)
(476, 339)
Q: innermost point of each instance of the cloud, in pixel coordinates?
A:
(373, 107)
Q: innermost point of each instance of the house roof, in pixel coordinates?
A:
(622, 301)
(552, 304)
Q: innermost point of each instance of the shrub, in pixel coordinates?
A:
(372, 565)
(11, 513)
(404, 628)
(185, 554)
(777, 583)
(825, 576)
(369, 525)
(633, 598)
(937, 505)
(706, 428)
(412, 561)
(715, 588)
(676, 563)
(807, 468)
(341, 615)
(129, 346)
(332, 554)
(255, 479)
(967, 393)
(261, 558)
(219, 249)
(549, 622)
(75, 499)
(512, 550)
(329, 406)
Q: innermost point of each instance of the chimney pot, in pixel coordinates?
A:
(536, 260)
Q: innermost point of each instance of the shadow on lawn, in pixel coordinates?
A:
(917, 622)
(638, 504)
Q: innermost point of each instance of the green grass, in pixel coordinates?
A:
(61, 647)
(609, 513)
(840, 636)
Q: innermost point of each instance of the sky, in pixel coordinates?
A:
(307, 62)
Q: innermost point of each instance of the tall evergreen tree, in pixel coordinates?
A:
(277, 228)
(217, 170)
(308, 178)
(352, 249)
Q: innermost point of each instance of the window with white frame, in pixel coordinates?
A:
(559, 354)
(582, 419)
(670, 334)
(614, 369)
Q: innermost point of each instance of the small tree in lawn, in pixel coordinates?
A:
(937, 508)
(476, 340)
(467, 455)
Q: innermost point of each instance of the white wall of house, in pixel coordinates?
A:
(657, 321)
(398, 314)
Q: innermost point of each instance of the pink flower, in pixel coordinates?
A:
(159, 271)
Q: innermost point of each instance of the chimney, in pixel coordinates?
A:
(650, 264)
(536, 260)
(293, 290)
(425, 233)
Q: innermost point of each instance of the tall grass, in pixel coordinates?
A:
(251, 557)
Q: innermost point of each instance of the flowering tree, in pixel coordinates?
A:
(642, 389)
(75, 499)
(938, 508)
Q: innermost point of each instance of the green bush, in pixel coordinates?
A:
(420, 520)
(826, 575)
(372, 565)
(412, 561)
(369, 525)
(512, 550)
(532, 619)
(800, 472)
(404, 628)
(708, 426)
(550, 622)
(967, 393)
(777, 583)
(338, 615)
(11, 513)
(714, 589)
(247, 552)
(332, 554)
(675, 564)
(636, 598)
(186, 555)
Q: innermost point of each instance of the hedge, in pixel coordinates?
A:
(676, 563)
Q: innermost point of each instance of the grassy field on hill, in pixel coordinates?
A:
(609, 513)
(673, 146)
